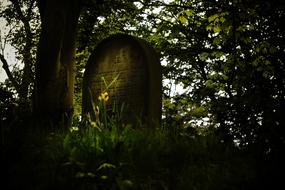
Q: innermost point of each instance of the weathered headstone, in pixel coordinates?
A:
(128, 69)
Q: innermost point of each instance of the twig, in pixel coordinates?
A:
(5, 66)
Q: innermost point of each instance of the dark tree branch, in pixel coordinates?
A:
(5, 66)
(27, 57)
(30, 9)
(24, 19)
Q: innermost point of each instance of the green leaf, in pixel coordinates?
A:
(80, 175)
(210, 84)
(104, 177)
(267, 62)
(209, 28)
(203, 56)
(189, 13)
(216, 41)
(217, 54)
(182, 19)
(222, 19)
(106, 165)
(257, 49)
(216, 29)
(264, 50)
(199, 112)
(213, 18)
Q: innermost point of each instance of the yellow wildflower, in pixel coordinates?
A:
(93, 124)
(104, 96)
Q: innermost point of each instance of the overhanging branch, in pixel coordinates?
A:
(5, 66)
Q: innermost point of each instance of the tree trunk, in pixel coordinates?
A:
(55, 66)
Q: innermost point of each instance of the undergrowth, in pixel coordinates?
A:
(122, 157)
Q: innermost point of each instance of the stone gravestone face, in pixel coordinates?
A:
(128, 69)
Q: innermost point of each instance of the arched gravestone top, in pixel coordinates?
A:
(128, 68)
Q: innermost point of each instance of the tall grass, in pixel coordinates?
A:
(123, 157)
(127, 158)
(106, 154)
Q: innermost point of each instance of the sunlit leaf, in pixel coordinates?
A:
(104, 177)
(209, 84)
(106, 165)
(216, 29)
(182, 19)
(222, 19)
(209, 28)
(189, 12)
(213, 18)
